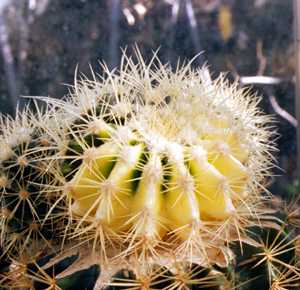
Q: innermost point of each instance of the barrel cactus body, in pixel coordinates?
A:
(24, 178)
(150, 172)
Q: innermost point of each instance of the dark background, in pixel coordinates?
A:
(42, 42)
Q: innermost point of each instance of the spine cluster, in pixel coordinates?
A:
(143, 169)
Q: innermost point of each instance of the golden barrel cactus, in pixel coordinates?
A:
(153, 170)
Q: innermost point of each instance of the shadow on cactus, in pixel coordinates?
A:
(150, 173)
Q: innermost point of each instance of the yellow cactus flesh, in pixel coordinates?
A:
(103, 187)
(85, 184)
(148, 201)
(181, 202)
(200, 185)
(211, 187)
(221, 132)
(116, 193)
(232, 168)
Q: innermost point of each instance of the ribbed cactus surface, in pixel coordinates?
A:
(148, 172)
(151, 187)
(163, 156)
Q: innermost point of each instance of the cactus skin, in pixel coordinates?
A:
(24, 186)
(158, 166)
(271, 263)
(146, 170)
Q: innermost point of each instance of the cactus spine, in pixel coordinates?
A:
(149, 172)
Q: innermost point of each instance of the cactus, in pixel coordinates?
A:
(151, 174)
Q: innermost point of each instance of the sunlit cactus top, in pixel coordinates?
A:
(148, 164)
(163, 152)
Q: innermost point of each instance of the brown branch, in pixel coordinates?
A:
(283, 113)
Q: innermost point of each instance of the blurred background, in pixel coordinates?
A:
(42, 42)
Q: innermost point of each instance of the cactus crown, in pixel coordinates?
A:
(145, 168)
